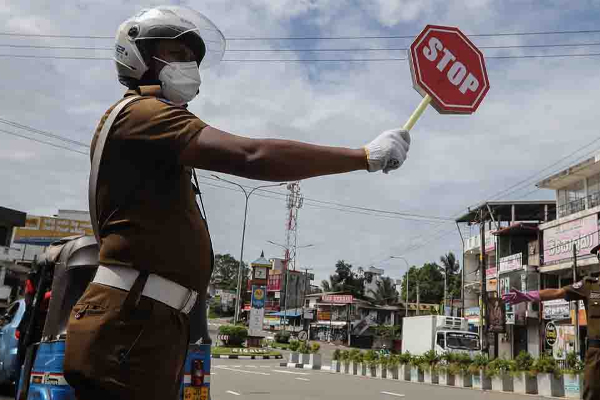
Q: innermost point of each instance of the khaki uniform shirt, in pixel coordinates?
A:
(588, 290)
(147, 211)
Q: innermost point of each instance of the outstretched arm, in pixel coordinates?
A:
(282, 160)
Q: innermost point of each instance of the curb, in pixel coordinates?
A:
(301, 366)
(247, 357)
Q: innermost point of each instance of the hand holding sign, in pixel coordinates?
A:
(448, 70)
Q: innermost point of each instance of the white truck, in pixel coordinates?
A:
(439, 333)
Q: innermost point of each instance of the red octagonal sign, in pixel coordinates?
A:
(448, 67)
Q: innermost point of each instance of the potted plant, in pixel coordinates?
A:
(294, 355)
(355, 360)
(448, 369)
(371, 359)
(499, 370)
(393, 365)
(404, 360)
(314, 356)
(362, 365)
(525, 382)
(465, 377)
(416, 371)
(429, 365)
(573, 376)
(382, 367)
(346, 361)
(335, 363)
(549, 378)
(304, 351)
(478, 369)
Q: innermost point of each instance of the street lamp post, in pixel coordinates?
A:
(241, 266)
(407, 269)
(287, 275)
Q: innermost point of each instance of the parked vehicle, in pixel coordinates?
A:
(68, 266)
(439, 333)
(9, 342)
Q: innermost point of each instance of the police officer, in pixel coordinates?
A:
(127, 336)
(587, 290)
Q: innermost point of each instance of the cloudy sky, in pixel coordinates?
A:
(538, 111)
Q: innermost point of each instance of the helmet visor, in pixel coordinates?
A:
(176, 22)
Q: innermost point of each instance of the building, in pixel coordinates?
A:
(512, 233)
(11, 272)
(373, 278)
(569, 238)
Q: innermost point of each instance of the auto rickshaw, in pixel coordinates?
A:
(67, 267)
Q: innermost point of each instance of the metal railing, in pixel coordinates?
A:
(571, 207)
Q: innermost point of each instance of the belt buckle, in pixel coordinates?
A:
(190, 302)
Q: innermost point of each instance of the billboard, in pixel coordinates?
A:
(559, 240)
(42, 231)
(337, 298)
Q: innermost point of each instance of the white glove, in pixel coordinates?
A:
(388, 151)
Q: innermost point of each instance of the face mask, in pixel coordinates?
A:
(180, 81)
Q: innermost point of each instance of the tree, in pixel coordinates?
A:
(225, 273)
(451, 268)
(431, 284)
(345, 280)
(385, 293)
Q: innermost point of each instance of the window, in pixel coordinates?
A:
(440, 340)
(4, 236)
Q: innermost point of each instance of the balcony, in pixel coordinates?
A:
(572, 207)
(9, 254)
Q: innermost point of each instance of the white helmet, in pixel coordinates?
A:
(165, 22)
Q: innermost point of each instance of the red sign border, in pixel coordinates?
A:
(424, 89)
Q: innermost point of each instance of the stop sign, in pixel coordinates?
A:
(448, 67)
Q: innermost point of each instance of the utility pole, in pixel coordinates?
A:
(418, 300)
(576, 301)
(482, 271)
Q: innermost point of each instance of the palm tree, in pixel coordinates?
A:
(386, 292)
(451, 267)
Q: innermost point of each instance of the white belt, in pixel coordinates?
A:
(157, 287)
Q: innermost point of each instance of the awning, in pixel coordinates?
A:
(294, 312)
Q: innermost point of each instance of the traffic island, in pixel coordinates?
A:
(243, 353)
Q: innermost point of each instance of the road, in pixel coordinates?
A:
(252, 379)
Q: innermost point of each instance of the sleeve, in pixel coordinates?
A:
(577, 291)
(160, 129)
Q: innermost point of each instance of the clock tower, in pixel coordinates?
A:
(258, 283)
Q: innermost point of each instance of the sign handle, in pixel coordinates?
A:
(417, 113)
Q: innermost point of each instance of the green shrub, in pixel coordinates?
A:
(431, 358)
(479, 363)
(404, 358)
(498, 366)
(355, 355)
(371, 357)
(524, 361)
(282, 337)
(294, 345)
(416, 361)
(337, 355)
(393, 361)
(304, 348)
(237, 334)
(315, 347)
(545, 364)
(345, 356)
(574, 366)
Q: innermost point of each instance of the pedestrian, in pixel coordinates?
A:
(588, 290)
(127, 336)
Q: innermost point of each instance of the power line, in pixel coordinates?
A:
(307, 60)
(43, 133)
(241, 38)
(43, 142)
(534, 46)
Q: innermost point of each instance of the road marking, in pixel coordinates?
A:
(290, 372)
(251, 366)
(245, 372)
(265, 366)
(303, 379)
(393, 394)
(233, 393)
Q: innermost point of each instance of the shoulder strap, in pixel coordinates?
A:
(97, 158)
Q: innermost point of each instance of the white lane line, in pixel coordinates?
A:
(289, 372)
(303, 379)
(233, 393)
(393, 394)
(251, 366)
(245, 372)
(265, 366)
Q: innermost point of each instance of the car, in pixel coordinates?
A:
(9, 342)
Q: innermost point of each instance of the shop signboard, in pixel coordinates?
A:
(496, 315)
(556, 309)
(337, 298)
(559, 240)
(43, 231)
(551, 334)
(491, 272)
(511, 263)
(491, 285)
